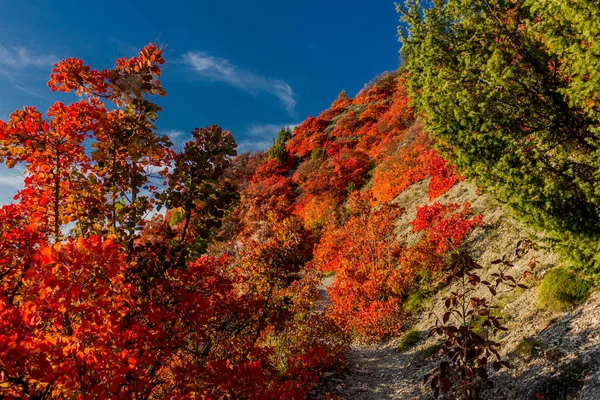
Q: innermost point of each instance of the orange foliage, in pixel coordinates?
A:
(122, 306)
(442, 177)
(315, 210)
(410, 164)
(126, 307)
(388, 123)
(347, 126)
(382, 88)
(307, 136)
(363, 253)
(445, 228)
(332, 175)
(337, 107)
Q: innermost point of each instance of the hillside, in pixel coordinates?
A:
(553, 352)
(434, 236)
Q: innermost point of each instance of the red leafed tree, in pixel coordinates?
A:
(332, 175)
(337, 107)
(99, 300)
(53, 150)
(443, 177)
(347, 126)
(410, 164)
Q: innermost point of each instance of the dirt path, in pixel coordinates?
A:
(381, 372)
(563, 365)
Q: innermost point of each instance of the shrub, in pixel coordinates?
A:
(409, 339)
(318, 153)
(278, 149)
(413, 301)
(430, 351)
(466, 353)
(562, 289)
(528, 348)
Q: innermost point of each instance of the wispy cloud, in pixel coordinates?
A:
(11, 181)
(173, 133)
(17, 60)
(222, 70)
(125, 48)
(19, 57)
(17, 85)
(260, 136)
(268, 130)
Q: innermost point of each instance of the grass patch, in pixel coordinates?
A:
(413, 301)
(528, 348)
(477, 324)
(328, 274)
(430, 351)
(423, 288)
(409, 339)
(498, 310)
(562, 289)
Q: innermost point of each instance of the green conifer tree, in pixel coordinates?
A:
(511, 92)
(278, 149)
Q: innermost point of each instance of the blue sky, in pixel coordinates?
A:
(249, 66)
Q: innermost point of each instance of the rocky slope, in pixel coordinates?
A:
(554, 355)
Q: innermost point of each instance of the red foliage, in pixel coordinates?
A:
(332, 175)
(446, 225)
(410, 164)
(308, 136)
(381, 88)
(98, 300)
(368, 287)
(125, 307)
(445, 228)
(337, 107)
(347, 126)
(442, 177)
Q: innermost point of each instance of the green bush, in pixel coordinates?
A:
(479, 74)
(562, 289)
(413, 301)
(430, 351)
(318, 153)
(409, 339)
(278, 149)
(528, 348)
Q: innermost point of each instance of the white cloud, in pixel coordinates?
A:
(22, 57)
(260, 136)
(221, 70)
(13, 81)
(173, 134)
(268, 130)
(11, 181)
(16, 60)
(253, 145)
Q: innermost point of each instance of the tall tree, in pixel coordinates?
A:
(510, 92)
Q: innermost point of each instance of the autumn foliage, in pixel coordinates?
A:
(131, 270)
(363, 253)
(105, 297)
